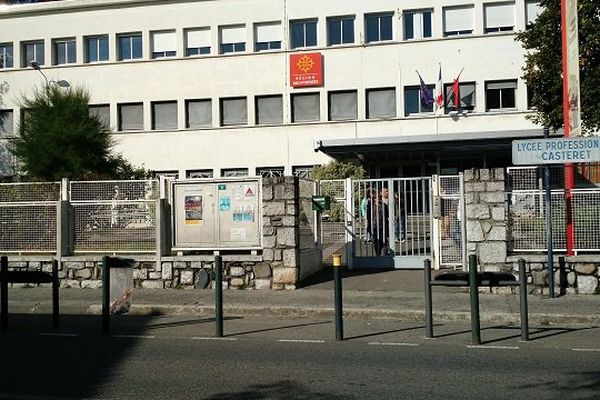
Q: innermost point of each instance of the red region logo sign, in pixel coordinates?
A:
(306, 70)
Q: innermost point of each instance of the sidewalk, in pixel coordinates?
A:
(317, 303)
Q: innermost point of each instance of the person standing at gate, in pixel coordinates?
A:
(364, 215)
(378, 221)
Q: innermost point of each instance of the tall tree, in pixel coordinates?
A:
(543, 64)
(59, 138)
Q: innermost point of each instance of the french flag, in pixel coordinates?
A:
(439, 90)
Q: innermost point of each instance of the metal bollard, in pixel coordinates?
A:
(337, 280)
(55, 298)
(105, 295)
(218, 296)
(428, 300)
(474, 295)
(4, 293)
(523, 301)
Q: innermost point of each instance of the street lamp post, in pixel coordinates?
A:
(62, 83)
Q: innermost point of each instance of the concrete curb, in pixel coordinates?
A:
(540, 319)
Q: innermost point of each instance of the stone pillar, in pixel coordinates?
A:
(487, 234)
(280, 232)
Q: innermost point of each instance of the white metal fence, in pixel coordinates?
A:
(450, 224)
(333, 227)
(527, 213)
(115, 216)
(28, 216)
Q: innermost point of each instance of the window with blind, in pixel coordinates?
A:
(268, 36)
(64, 51)
(32, 51)
(500, 95)
(342, 105)
(466, 94)
(458, 20)
(234, 172)
(102, 113)
(306, 107)
(381, 103)
(378, 27)
(199, 173)
(270, 172)
(164, 44)
(417, 24)
(413, 101)
(96, 48)
(6, 55)
(130, 46)
(130, 116)
(164, 115)
(6, 123)
(340, 30)
(269, 109)
(198, 113)
(197, 41)
(499, 17)
(532, 10)
(303, 33)
(233, 39)
(234, 111)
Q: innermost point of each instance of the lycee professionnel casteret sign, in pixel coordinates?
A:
(555, 151)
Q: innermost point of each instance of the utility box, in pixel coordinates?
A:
(216, 214)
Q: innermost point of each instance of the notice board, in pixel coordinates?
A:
(216, 214)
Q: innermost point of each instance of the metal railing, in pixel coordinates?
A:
(527, 220)
(116, 216)
(28, 216)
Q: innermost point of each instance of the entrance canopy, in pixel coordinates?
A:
(377, 150)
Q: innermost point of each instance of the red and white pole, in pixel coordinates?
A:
(572, 125)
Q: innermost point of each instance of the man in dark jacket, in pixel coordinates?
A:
(378, 221)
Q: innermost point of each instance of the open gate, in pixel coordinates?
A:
(395, 222)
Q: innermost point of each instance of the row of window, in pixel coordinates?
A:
(378, 27)
(305, 107)
(301, 171)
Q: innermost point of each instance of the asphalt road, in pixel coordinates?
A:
(265, 358)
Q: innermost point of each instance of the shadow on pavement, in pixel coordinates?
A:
(366, 335)
(534, 333)
(246, 332)
(577, 386)
(41, 362)
(283, 390)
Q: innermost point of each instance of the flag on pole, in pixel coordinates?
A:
(426, 95)
(439, 87)
(456, 90)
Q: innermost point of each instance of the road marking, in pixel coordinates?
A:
(135, 336)
(586, 349)
(492, 347)
(59, 334)
(300, 341)
(213, 338)
(393, 344)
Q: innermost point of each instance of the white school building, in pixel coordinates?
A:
(249, 87)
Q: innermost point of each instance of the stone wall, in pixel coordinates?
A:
(277, 266)
(486, 217)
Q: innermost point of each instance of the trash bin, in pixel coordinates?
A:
(121, 290)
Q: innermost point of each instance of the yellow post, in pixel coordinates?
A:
(337, 285)
(337, 260)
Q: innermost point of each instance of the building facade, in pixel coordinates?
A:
(209, 88)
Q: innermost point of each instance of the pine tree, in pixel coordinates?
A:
(58, 138)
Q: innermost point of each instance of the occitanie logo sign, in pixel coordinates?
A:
(306, 70)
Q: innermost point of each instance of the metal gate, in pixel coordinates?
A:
(450, 226)
(394, 223)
